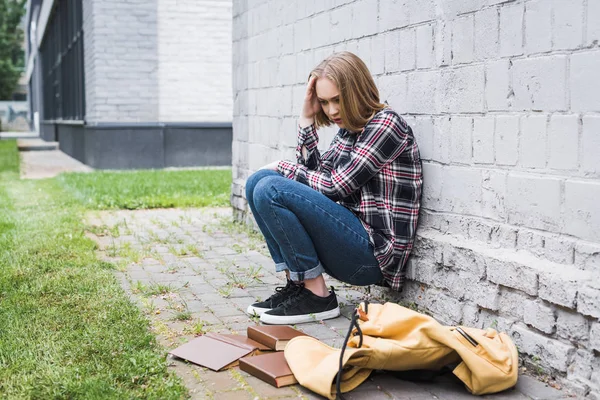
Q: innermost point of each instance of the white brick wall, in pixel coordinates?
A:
(158, 61)
(504, 100)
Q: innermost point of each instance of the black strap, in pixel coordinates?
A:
(353, 324)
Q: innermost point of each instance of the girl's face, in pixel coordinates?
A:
(329, 98)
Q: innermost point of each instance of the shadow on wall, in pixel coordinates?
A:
(14, 116)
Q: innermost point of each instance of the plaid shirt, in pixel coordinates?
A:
(377, 175)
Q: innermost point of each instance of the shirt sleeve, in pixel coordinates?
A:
(383, 139)
(308, 137)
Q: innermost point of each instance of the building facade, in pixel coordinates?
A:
(132, 83)
(504, 100)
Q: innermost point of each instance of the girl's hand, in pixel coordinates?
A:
(311, 104)
(272, 166)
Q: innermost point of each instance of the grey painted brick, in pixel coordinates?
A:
(407, 49)
(531, 93)
(533, 201)
(595, 336)
(532, 146)
(590, 142)
(391, 15)
(538, 26)
(585, 91)
(443, 43)
(572, 326)
(493, 193)
(559, 288)
(424, 40)
(461, 140)
(423, 100)
(463, 39)
(497, 85)
(421, 11)
(465, 198)
(506, 140)
(587, 257)
(461, 89)
(554, 353)
(582, 214)
(563, 138)
(513, 275)
(567, 31)
(483, 140)
(392, 51)
(364, 18)
(540, 316)
(588, 300)
(582, 365)
(511, 29)
(486, 34)
(593, 23)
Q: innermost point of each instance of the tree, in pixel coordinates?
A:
(12, 59)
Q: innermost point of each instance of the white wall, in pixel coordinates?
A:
(504, 99)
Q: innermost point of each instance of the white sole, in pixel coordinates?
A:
(256, 310)
(298, 319)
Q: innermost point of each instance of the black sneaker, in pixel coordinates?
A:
(303, 306)
(281, 294)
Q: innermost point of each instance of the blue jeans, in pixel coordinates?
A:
(308, 234)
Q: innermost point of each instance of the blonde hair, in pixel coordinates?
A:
(359, 97)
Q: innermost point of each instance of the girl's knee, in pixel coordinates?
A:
(265, 190)
(255, 178)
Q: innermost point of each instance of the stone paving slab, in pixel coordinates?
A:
(193, 271)
(48, 164)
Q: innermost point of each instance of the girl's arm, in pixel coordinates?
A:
(384, 138)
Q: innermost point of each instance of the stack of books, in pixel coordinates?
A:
(259, 353)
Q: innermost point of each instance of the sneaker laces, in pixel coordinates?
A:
(298, 292)
(282, 290)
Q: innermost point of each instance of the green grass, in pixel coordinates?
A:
(67, 329)
(150, 189)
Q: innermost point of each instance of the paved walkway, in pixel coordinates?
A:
(194, 271)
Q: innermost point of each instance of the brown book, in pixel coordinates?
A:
(273, 336)
(218, 351)
(271, 368)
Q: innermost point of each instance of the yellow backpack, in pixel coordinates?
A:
(391, 337)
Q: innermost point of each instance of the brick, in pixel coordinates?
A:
(506, 140)
(457, 7)
(443, 43)
(424, 56)
(538, 26)
(511, 30)
(483, 294)
(531, 90)
(394, 90)
(486, 34)
(339, 26)
(568, 24)
(463, 198)
(444, 308)
(497, 85)
(377, 65)
(364, 18)
(595, 336)
(512, 303)
(432, 185)
(593, 23)
(483, 140)
(461, 143)
(533, 201)
(582, 214)
(559, 288)
(587, 257)
(588, 300)
(320, 30)
(513, 275)
(301, 39)
(463, 40)
(540, 316)
(581, 368)
(407, 40)
(572, 326)
(421, 11)
(391, 16)
(422, 100)
(555, 354)
(585, 89)
(392, 51)
(590, 143)
(532, 146)
(563, 141)
(493, 192)
(462, 89)
(441, 134)
(423, 131)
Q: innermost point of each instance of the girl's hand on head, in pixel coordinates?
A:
(311, 103)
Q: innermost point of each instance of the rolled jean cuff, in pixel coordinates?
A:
(310, 274)
(281, 267)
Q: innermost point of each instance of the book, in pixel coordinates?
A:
(271, 368)
(218, 351)
(276, 337)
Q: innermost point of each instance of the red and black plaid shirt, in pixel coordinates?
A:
(377, 175)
